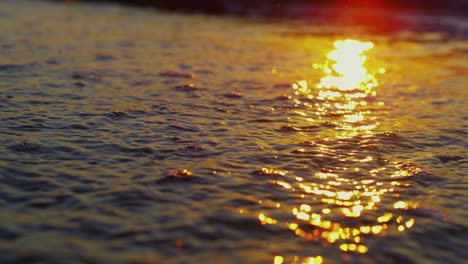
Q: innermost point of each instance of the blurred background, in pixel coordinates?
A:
(293, 7)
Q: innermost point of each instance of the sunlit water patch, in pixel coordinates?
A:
(137, 136)
(352, 193)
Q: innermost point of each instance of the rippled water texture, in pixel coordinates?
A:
(134, 136)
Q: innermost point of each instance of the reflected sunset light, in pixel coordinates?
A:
(347, 86)
(336, 200)
(350, 74)
(219, 131)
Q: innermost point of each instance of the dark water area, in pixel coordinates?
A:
(132, 135)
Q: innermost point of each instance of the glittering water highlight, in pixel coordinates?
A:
(335, 196)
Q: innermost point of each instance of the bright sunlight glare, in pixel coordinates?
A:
(349, 72)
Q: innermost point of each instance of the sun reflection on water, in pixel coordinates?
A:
(346, 86)
(341, 206)
(308, 260)
(350, 74)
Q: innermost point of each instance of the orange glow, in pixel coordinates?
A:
(293, 226)
(297, 260)
(314, 260)
(266, 220)
(344, 247)
(179, 244)
(354, 247)
(180, 174)
(341, 91)
(362, 249)
(272, 172)
(340, 101)
(385, 218)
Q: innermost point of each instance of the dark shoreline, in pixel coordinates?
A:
(372, 16)
(285, 8)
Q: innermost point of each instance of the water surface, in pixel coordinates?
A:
(138, 136)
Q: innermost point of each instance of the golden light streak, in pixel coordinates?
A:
(284, 184)
(265, 220)
(377, 229)
(385, 218)
(400, 205)
(331, 195)
(314, 260)
(409, 223)
(362, 249)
